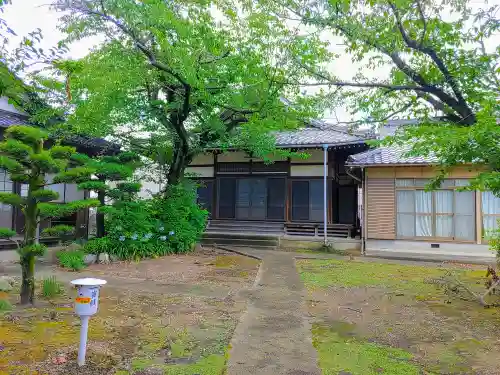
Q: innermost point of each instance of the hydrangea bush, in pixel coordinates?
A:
(138, 228)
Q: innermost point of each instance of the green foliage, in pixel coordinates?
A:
(45, 195)
(5, 306)
(129, 187)
(79, 159)
(454, 145)
(180, 214)
(59, 210)
(62, 152)
(494, 240)
(76, 174)
(229, 71)
(139, 228)
(11, 198)
(97, 246)
(7, 233)
(71, 259)
(10, 165)
(51, 287)
(29, 135)
(58, 230)
(32, 250)
(92, 185)
(15, 149)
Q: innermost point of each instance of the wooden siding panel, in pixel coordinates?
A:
(380, 208)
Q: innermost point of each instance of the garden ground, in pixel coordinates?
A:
(173, 315)
(176, 315)
(379, 318)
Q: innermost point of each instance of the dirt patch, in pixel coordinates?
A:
(438, 333)
(136, 330)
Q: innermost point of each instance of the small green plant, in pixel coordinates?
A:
(6, 233)
(73, 260)
(5, 306)
(51, 287)
(58, 231)
(97, 246)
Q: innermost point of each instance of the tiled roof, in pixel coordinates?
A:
(10, 118)
(98, 145)
(388, 156)
(316, 137)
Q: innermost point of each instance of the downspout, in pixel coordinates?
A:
(325, 193)
(363, 209)
(348, 172)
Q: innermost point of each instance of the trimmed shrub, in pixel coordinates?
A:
(5, 306)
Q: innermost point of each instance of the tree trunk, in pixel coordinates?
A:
(99, 217)
(28, 279)
(27, 258)
(180, 161)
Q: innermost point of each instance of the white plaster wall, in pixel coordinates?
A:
(203, 159)
(233, 157)
(315, 156)
(306, 171)
(201, 171)
(4, 105)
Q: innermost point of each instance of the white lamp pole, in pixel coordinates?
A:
(86, 304)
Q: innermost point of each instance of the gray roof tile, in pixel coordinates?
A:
(10, 118)
(313, 136)
(388, 156)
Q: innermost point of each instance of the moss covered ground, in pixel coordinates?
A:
(374, 318)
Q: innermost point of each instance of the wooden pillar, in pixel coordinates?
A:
(479, 218)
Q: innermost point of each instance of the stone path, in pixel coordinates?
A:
(273, 336)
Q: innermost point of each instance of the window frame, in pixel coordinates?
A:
(484, 234)
(417, 184)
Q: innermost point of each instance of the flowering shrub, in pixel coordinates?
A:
(138, 228)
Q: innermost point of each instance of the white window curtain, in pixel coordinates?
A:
(423, 209)
(491, 211)
(444, 213)
(405, 219)
(465, 207)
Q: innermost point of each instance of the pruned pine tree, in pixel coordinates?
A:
(108, 169)
(27, 157)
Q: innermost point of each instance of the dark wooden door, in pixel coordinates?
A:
(251, 199)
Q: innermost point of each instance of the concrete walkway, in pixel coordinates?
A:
(273, 336)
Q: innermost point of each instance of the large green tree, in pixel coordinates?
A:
(182, 75)
(24, 157)
(430, 60)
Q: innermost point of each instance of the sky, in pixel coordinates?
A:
(24, 16)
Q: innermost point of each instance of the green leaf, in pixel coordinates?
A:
(55, 210)
(58, 230)
(62, 152)
(45, 195)
(92, 185)
(27, 134)
(15, 149)
(11, 198)
(7, 233)
(76, 174)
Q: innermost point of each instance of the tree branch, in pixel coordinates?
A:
(137, 41)
(461, 107)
